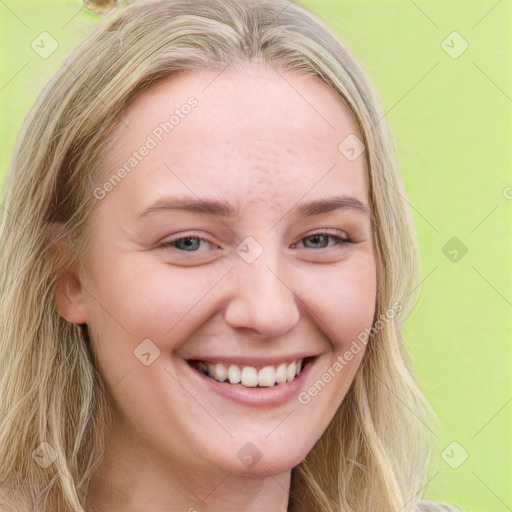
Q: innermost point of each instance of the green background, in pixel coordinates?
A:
(451, 120)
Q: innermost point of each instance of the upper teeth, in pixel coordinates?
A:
(249, 376)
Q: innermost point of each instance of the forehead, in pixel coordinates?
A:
(253, 136)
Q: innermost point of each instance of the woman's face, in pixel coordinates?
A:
(255, 280)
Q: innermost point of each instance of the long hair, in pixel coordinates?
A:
(374, 455)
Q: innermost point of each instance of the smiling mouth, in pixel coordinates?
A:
(250, 376)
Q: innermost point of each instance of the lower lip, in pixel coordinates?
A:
(264, 397)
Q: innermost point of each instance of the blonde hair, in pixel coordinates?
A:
(374, 455)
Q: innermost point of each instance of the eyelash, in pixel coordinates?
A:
(169, 244)
(331, 233)
(334, 234)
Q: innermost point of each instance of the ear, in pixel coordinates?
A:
(70, 295)
(70, 298)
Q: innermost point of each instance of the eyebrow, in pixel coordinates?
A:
(224, 209)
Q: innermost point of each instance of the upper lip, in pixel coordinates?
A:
(256, 361)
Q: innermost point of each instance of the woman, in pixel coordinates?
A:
(206, 262)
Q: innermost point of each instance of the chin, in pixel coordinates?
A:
(266, 460)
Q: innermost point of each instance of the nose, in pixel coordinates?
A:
(262, 302)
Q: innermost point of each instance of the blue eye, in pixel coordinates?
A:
(316, 241)
(185, 244)
(188, 244)
(321, 240)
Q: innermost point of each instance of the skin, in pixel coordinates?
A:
(265, 142)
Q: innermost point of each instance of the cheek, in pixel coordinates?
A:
(139, 300)
(342, 299)
(166, 304)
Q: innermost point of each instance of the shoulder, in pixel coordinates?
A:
(434, 506)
